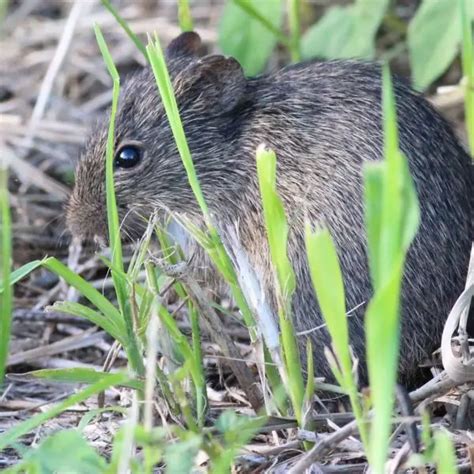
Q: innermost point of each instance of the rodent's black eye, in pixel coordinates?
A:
(127, 157)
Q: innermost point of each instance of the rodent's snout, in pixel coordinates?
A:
(86, 221)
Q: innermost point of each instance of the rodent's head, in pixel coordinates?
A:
(149, 174)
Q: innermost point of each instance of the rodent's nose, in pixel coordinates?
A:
(100, 241)
(87, 222)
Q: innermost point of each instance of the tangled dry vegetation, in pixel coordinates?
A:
(53, 85)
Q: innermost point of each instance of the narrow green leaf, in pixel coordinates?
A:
(392, 219)
(446, 461)
(81, 375)
(158, 64)
(132, 346)
(114, 328)
(275, 221)
(84, 288)
(24, 427)
(184, 15)
(327, 280)
(295, 29)
(21, 272)
(5, 269)
(140, 46)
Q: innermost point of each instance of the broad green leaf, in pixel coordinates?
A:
(368, 16)
(245, 37)
(237, 431)
(80, 375)
(179, 456)
(345, 32)
(328, 37)
(67, 452)
(434, 36)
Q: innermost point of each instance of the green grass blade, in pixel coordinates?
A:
(5, 270)
(113, 327)
(327, 281)
(295, 30)
(30, 424)
(210, 241)
(80, 375)
(444, 453)
(85, 289)
(139, 44)
(247, 6)
(21, 272)
(158, 64)
(392, 219)
(184, 16)
(276, 227)
(120, 285)
(275, 221)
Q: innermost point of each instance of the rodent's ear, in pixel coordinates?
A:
(186, 44)
(218, 81)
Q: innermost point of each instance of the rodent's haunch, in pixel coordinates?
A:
(323, 119)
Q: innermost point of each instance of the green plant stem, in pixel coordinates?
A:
(140, 46)
(120, 284)
(295, 30)
(5, 263)
(201, 392)
(249, 8)
(184, 16)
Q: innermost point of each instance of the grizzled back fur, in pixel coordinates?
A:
(324, 121)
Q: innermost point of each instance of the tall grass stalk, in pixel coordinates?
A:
(120, 283)
(247, 6)
(392, 219)
(5, 269)
(285, 282)
(136, 40)
(295, 29)
(184, 16)
(468, 72)
(192, 358)
(327, 280)
(211, 242)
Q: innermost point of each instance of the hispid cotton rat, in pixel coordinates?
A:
(323, 119)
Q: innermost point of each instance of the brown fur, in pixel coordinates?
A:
(324, 120)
